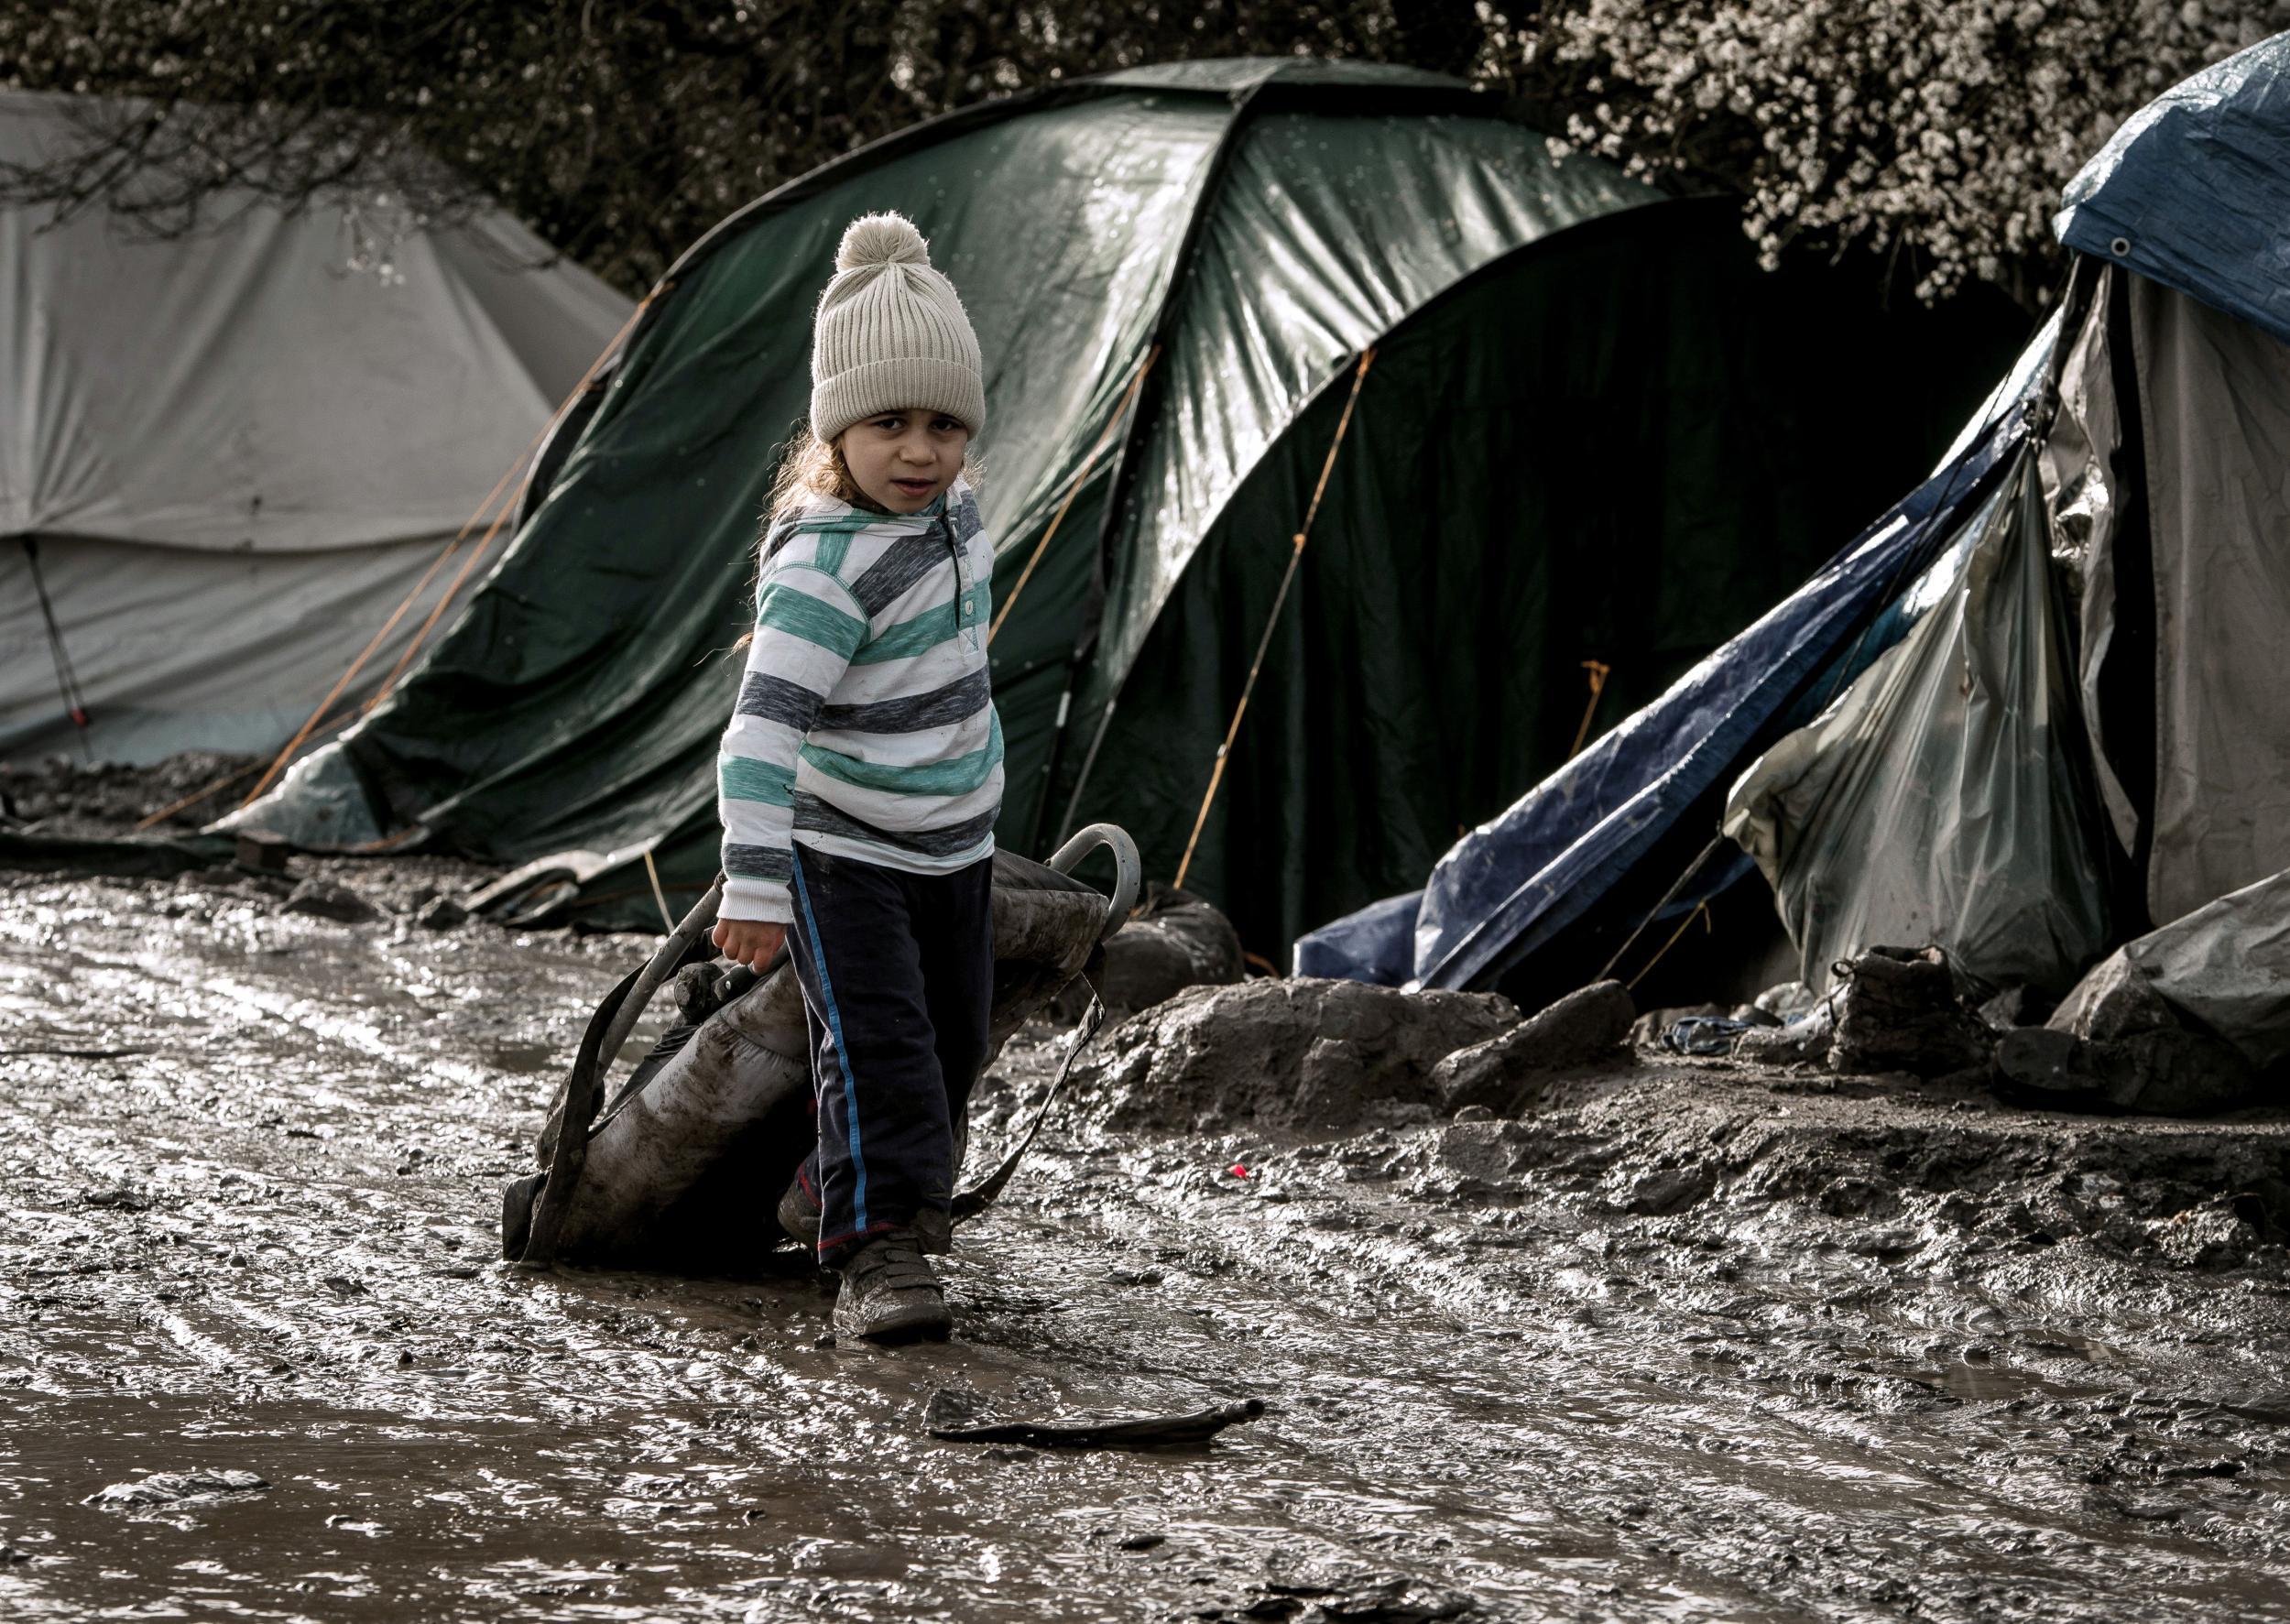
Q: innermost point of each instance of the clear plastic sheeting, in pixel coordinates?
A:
(2224, 968)
(1508, 890)
(2081, 491)
(2215, 403)
(2194, 189)
(1944, 797)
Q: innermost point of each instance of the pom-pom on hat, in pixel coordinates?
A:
(890, 333)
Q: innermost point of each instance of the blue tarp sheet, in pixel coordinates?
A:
(1510, 886)
(2194, 191)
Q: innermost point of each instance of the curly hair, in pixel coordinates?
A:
(815, 467)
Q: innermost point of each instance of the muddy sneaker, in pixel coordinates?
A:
(889, 1294)
(799, 1214)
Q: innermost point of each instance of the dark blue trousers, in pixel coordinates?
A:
(898, 976)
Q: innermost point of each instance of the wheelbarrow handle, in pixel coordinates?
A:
(1127, 871)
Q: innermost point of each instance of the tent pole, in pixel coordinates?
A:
(67, 679)
(1123, 469)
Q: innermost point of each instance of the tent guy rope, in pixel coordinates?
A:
(1074, 489)
(1271, 621)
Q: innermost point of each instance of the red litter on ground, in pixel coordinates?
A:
(1237, 1171)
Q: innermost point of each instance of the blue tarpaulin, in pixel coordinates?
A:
(2194, 191)
(1510, 886)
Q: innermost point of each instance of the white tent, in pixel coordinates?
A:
(228, 457)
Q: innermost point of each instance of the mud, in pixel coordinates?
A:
(1686, 1340)
(1285, 1056)
(64, 796)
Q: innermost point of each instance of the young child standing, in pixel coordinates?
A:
(861, 776)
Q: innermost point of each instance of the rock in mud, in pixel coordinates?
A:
(223, 878)
(1300, 1054)
(1587, 1026)
(166, 1489)
(441, 913)
(1899, 1012)
(1175, 941)
(1666, 1189)
(325, 899)
(2163, 1071)
(2219, 1234)
(119, 1199)
(261, 852)
(1324, 1588)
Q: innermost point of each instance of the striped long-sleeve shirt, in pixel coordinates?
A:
(866, 726)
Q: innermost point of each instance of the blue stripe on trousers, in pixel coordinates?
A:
(842, 1049)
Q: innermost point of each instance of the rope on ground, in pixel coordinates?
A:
(1280, 601)
(1128, 399)
(1598, 671)
(527, 462)
(67, 677)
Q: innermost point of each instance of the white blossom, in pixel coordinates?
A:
(1944, 128)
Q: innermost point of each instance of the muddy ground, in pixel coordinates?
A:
(1686, 1341)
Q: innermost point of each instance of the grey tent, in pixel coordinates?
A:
(226, 458)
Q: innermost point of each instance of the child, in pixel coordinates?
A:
(862, 773)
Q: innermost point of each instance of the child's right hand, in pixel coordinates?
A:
(749, 942)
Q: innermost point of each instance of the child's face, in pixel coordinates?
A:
(902, 460)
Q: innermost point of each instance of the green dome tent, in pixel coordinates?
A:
(1591, 431)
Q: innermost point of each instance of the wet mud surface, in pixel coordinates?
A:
(1685, 1340)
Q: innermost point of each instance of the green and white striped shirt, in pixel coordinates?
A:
(866, 726)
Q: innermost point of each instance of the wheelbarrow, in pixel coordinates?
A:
(682, 1169)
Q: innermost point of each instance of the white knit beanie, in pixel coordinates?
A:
(890, 333)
